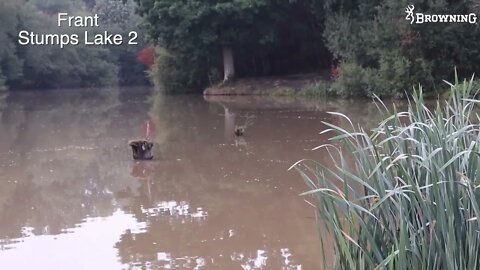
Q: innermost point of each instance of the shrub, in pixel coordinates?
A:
(373, 35)
(352, 80)
(405, 195)
(100, 70)
(334, 72)
(175, 72)
(393, 77)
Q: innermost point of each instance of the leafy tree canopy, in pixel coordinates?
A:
(378, 45)
(263, 34)
(48, 66)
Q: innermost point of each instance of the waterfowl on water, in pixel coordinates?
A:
(141, 149)
(240, 129)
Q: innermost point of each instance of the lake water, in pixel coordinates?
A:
(71, 196)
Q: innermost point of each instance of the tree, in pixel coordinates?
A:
(53, 7)
(118, 17)
(199, 27)
(243, 35)
(10, 63)
(48, 66)
(388, 55)
(116, 13)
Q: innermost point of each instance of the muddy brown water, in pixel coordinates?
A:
(71, 196)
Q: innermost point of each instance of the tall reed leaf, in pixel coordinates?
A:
(406, 194)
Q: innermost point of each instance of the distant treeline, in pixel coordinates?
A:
(40, 67)
(369, 45)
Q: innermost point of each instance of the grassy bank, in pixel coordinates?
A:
(404, 195)
(288, 85)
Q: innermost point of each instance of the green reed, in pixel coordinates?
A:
(406, 194)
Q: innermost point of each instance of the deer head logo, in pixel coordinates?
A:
(409, 11)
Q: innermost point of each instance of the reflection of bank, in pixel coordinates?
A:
(148, 130)
(143, 171)
(157, 122)
(3, 101)
(230, 123)
(179, 238)
(60, 166)
(255, 216)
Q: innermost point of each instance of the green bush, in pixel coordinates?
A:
(100, 70)
(373, 35)
(393, 77)
(177, 73)
(353, 80)
(405, 195)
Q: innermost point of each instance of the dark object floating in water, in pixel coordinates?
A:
(239, 131)
(142, 149)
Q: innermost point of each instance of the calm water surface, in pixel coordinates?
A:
(71, 196)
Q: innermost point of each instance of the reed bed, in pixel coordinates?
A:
(404, 195)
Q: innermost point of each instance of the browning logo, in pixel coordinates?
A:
(419, 18)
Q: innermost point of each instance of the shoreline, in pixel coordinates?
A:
(287, 85)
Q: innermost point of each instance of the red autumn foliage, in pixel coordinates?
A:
(142, 170)
(147, 56)
(147, 130)
(335, 72)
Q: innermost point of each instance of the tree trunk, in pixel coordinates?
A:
(228, 64)
(142, 150)
(229, 123)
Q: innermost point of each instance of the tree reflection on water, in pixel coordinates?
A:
(207, 201)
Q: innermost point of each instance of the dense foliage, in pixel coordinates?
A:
(72, 66)
(380, 52)
(404, 195)
(376, 49)
(370, 44)
(267, 37)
